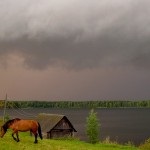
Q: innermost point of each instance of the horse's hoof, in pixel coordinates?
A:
(35, 142)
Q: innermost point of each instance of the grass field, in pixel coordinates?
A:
(26, 143)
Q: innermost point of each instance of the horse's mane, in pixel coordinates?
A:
(9, 122)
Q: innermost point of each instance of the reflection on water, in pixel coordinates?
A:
(122, 125)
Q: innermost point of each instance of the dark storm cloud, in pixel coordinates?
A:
(75, 34)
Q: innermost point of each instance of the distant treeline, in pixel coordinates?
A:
(76, 104)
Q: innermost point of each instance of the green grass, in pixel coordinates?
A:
(26, 143)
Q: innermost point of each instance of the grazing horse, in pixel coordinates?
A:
(23, 126)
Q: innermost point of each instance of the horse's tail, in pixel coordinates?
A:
(39, 131)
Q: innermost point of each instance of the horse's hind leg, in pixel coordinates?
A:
(36, 141)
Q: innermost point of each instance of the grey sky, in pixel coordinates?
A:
(76, 36)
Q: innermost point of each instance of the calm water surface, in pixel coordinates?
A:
(122, 125)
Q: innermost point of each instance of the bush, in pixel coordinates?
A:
(146, 145)
(92, 127)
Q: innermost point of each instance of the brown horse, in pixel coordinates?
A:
(23, 126)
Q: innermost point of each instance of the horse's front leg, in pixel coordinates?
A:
(13, 136)
(16, 139)
(17, 136)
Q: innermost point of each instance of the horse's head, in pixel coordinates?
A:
(3, 131)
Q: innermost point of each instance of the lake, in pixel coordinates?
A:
(119, 124)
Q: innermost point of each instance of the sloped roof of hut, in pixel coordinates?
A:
(49, 121)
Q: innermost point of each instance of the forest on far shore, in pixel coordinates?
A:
(75, 104)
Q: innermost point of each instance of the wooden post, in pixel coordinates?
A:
(4, 114)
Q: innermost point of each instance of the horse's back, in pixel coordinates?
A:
(26, 125)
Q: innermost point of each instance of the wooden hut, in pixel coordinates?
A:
(55, 126)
